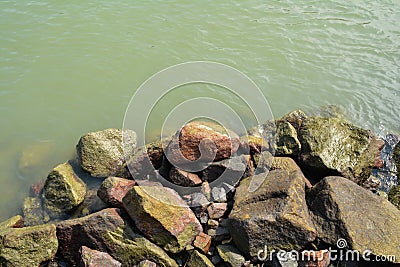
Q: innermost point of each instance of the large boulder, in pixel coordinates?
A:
(102, 153)
(275, 215)
(63, 190)
(335, 146)
(343, 210)
(107, 231)
(203, 141)
(29, 246)
(163, 217)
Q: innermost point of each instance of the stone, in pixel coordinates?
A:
(217, 210)
(343, 210)
(396, 158)
(102, 153)
(219, 194)
(198, 260)
(202, 242)
(215, 142)
(206, 190)
(33, 212)
(107, 231)
(91, 204)
(231, 255)
(94, 258)
(289, 165)
(287, 142)
(253, 144)
(184, 178)
(314, 259)
(232, 169)
(29, 246)
(14, 222)
(147, 263)
(36, 189)
(333, 146)
(63, 190)
(221, 234)
(114, 189)
(212, 224)
(394, 196)
(275, 215)
(295, 118)
(163, 216)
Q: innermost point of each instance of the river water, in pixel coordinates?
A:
(67, 68)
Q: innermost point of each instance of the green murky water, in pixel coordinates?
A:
(67, 68)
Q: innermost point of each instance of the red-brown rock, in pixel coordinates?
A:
(114, 189)
(217, 210)
(184, 178)
(94, 258)
(202, 242)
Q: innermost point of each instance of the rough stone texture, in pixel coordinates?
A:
(107, 231)
(342, 209)
(233, 170)
(394, 196)
(94, 258)
(295, 118)
(231, 255)
(91, 204)
(217, 210)
(198, 260)
(275, 215)
(287, 142)
(14, 222)
(167, 220)
(33, 212)
(334, 146)
(202, 242)
(147, 263)
(183, 178)
(63, 190)
(210, 137)
(396, 158)
(263, 162)
(315, 259)
(37, 188)
(219, 194)
(102, 154)
(289, 165)
(253, 144)
(29, 246)
(114, 189)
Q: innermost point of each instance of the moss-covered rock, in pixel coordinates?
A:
(162, 216)
(287, 142)
(197, 259)
(28, 246)
(335, 146)
(275, 215)
(14, 222)
(102, 153)
(63, 190)
(343, 210)
(231, 255)
(396, 158)
(107, 231)
(394, 196)
(33, 212)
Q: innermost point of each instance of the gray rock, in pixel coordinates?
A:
(275, 215)
(219, 194)
(102, 153)
(343, 210)
(231, 255)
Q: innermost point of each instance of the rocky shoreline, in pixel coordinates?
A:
(317, 180)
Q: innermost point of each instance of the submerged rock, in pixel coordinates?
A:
(94, 258)
(33, 212)
(107, 231)
(275, 215)
(343, 210)
(29, 246)
(334, 146)
(114, 189)
(63, 190)
(167, 220)
(216, 143)
(102, 153)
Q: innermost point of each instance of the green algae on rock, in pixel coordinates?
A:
(63, 190)
(33, 212)
(163, 217)
(343, 210)
(335, 146)
(197, 259)
(287, 142)
(394, 196)
(231, 255)
(14, 222)
(102, 153)
(29, 246)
